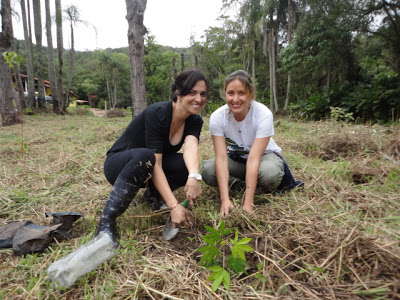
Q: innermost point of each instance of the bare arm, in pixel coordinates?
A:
(221, 168)
(192, 162)
(252, 166)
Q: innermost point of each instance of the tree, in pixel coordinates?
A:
(60, 89)
(8, 111)
(322, 48)
(291, 17)
(38, 34)
(157, 69)
(368, 13)
(74, 18)
(136, 31)
(29, 55)
(52, 70)
(18, 81)
(273, 19)
(104, 66)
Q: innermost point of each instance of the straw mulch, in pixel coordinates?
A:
(338, 238)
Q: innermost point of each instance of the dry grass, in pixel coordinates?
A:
(338, 238)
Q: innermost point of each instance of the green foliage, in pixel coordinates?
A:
(217, 241)
(158, 71)
(23, 144)
(378, 101)
(219, 275)
(11, 58)
(340, 114)
(259, 274)
(336, 59)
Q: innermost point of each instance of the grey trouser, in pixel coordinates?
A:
(270, 172)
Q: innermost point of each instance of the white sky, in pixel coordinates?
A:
(171, 22)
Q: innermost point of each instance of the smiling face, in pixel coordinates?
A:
(238, 98)
(195, 100)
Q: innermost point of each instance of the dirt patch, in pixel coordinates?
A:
(112, 113)
(98, 112)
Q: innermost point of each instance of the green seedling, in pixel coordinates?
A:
(217, 241)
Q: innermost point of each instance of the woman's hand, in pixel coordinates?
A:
(248, 208)
(226, 207)
(180, 217)
(192, 190)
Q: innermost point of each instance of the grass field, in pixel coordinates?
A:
(338, 238)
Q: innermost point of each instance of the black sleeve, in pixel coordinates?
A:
(156, 129)
(195, 122)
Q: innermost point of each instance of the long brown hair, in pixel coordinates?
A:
(244, 78)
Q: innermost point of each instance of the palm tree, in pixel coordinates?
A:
(52, 70)
(291, 17)
(74, 18)
(38, 34)
(29, 56)
(18, 81)
(60, 93)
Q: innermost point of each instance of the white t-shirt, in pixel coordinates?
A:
(241, 135)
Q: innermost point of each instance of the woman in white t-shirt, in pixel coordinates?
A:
(245, 153)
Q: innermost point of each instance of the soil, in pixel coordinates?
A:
(97, 112)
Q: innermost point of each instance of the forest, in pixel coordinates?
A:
(307, 58)
(328, 70)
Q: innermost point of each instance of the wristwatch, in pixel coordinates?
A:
(196, 176)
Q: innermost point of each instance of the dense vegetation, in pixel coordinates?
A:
(342, 54)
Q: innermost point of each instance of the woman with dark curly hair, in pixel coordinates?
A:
(146, 154)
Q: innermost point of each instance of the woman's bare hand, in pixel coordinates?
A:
(180, 217)
(192, 190)
(226, 207)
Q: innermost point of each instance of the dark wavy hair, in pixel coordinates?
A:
(244, 78)
(185, 81)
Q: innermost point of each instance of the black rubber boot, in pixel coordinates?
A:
(120, 197)
(154, 199)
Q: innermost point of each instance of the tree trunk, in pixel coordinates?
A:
(38, 35)
(29, 57)
(328, 76)
(60, 49)
(174, 71)
(108, 89)
(115, 92)
(274, 62)
(135, 14)
(182, 62)
(8, 112)
(71, 65)
(271, 72)
(271, 45)
(203, 60)
(291, 22)
(288, 90)
(52, 70)
(253, 60)
(18, 82)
